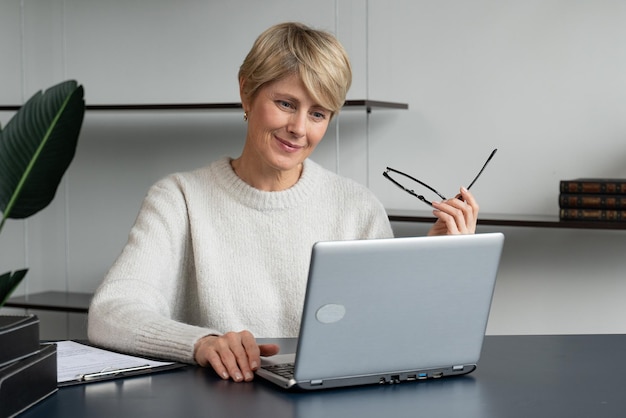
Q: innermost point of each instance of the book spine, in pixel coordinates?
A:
(606, 215)
(590, 186)
(592, 201)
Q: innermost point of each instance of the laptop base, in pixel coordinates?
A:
(274, 373)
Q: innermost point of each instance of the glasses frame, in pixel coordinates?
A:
(432, 189)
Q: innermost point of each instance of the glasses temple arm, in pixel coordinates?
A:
(482, 169)
(386, 174)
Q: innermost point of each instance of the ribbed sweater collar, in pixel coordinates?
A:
(225, 177)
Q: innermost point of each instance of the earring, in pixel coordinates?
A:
(245, 116)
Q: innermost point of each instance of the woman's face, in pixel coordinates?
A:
(285, 124)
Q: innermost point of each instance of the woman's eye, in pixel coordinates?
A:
(285, 104)
(319, 115)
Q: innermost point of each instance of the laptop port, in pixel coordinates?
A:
(395, 378)
(411, 377)
(437, 375)
(422, 376)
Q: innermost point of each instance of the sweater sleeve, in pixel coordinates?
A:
(361, 212)
(378, 223)
(137, 308)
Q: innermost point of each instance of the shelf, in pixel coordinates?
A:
(52, 301)
(349, 104)
(79, 302)
(536, 221)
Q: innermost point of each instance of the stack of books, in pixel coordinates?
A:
(28, 369)
(593, 199)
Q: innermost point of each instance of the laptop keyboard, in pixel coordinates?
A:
(285, 370)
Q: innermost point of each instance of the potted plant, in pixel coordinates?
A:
(36, 147)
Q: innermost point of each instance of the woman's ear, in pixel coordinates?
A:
(244, 98)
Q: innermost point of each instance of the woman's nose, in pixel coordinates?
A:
(297, 124)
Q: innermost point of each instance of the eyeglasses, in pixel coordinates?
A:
(421, 197)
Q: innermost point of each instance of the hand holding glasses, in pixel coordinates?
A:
(421, 197)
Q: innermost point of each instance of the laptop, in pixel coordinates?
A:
(388, 311)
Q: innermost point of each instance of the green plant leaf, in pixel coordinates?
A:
(8, 283)
(36, 147)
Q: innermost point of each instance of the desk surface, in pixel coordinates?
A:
(518, 376)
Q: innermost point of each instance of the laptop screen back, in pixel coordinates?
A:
(377, 306)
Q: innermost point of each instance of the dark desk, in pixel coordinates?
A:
(518, 376)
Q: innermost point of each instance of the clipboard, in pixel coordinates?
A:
(79, 363)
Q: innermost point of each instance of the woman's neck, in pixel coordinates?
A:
(265, 178)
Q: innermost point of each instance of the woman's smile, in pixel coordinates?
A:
(287, 146)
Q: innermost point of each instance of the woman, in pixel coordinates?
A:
(219, 256)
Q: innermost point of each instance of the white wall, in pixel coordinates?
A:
(543, 81)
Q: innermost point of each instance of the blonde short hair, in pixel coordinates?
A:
(291, 48)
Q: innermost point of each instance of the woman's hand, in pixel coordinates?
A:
(456, 216)
(234, 355)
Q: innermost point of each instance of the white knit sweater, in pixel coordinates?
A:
(210, 254)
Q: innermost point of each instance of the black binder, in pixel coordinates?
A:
(19, 337)
(25, 382)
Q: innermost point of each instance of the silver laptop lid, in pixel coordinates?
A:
(390, 305)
